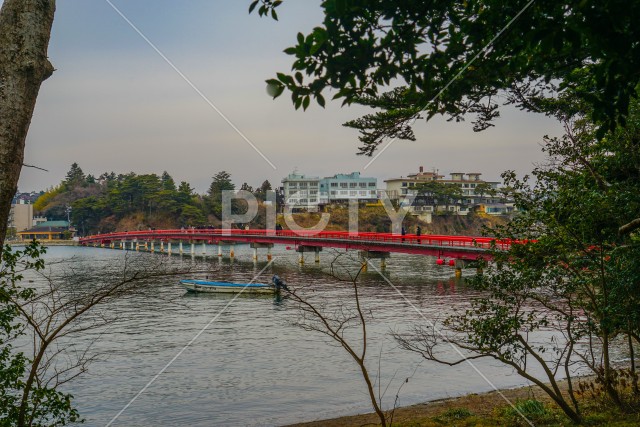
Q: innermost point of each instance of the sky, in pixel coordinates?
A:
(116, 104)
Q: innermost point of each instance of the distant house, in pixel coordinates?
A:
(497, 208)
(301, 191)
(474, 192)
(47, 231)
(21, 216)
(344, 187)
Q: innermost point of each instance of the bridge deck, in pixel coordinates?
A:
(463, 247)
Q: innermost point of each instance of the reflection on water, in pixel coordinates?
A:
(251, 366)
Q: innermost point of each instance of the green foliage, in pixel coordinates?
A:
(532, 409)
(221, 182)
(559, 296)
(442, 58)
(44, 406)
(261, 192)
(74, 177)
(454, 414)
(45, 199)
(438, 194)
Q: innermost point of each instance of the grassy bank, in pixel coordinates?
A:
(491, 409)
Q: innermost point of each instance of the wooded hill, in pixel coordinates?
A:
(122, 202)
(116, 202)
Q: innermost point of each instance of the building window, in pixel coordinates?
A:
(333, 192)
(373, 192)
(313, 191)
(343, 185)
(303, 185)
(362, 184)
(353, 184)
(344, 192)
(313, 200)
(404, 184)
(353, 193)
(411, 184)
(372, 184)
(334, 184)
(363, 193)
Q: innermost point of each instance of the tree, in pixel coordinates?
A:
(69, 304)
(341, 323)
(221, 182)
(74, 177)
(167, 182)
(261, 192)
(456, 59)
(483, 188)
(25, 28)
(434, 193)
(246, 187)
(559, 297)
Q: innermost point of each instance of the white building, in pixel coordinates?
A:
(301, 191)
(21, 216)
(476, 193)
(344, 187)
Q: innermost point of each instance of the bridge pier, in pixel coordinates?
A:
(255, 246)
(204, 249)
(132, 242)
(232, 253)
(302, 249)
(459, 264)
(153, 249)
(367, 255)
(169, 248)
(219, 249)
(162, 246)
(193, 249)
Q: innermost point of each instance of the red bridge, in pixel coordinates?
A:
(374, 245)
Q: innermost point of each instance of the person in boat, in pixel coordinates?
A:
(278, 283)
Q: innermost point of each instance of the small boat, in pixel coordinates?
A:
(226, 287)
(193, 285)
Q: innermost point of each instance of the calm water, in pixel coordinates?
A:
(252, 366)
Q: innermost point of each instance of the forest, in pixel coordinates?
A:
(130, 201)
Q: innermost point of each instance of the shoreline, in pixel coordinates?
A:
(481, 404)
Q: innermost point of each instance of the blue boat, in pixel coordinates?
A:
(226, 287)
(215, 287)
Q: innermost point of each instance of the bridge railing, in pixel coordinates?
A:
(216, 233)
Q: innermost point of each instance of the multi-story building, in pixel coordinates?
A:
(474, 193)
(301, 191)
(344, 187)
(20, 216)
(399, 188)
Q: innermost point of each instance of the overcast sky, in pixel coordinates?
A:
(114, 104)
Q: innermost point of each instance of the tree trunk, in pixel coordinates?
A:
(25, 29)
